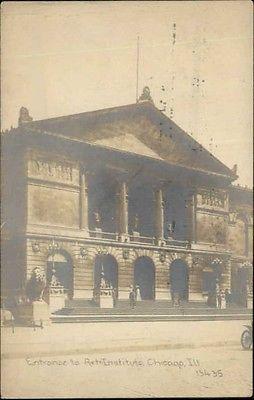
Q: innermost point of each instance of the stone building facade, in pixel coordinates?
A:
(127, 193)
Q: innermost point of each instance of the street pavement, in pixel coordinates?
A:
(73, 338)
(140, 359)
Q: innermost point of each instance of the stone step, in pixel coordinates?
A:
(150, 318)
(140, 305)
(158, 304)
(80, 303)
(152, 311)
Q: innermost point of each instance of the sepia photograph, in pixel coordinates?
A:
(126, 199)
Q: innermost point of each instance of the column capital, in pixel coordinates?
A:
(83, 167)
(86, 170)
(160, 185)
(122, 177)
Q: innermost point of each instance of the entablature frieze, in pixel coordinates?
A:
(51, 168)
(212, 199)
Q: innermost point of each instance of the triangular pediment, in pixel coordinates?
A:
(128, 143)
(137, 128)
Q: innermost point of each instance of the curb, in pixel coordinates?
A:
(120, 348)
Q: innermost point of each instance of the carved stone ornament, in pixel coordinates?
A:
(103, 251)
(216, 261)
(83, 252)
(126, 254)
(24, 116)
(162, 256)
(146, 95)
(213, 198)
(51, 169)
(36, 247)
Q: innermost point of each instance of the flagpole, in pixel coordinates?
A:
(137, 70)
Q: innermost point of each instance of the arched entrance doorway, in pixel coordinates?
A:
(179, 280)
(106, 265)
(144, 277)
(60, 265)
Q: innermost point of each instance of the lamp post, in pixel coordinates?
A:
(53, 248)
(232, 217)
(249, 291)
(216, 263)
(246, 264)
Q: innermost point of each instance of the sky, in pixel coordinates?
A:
(61, 58)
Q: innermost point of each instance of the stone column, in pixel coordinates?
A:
(191, 217)
(83, 201)
(123, 212)
(159, 216)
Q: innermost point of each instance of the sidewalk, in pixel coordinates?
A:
(75, 338)
(181, 316)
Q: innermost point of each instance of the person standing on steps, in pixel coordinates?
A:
(132, 298)
(219, 299)
(227, 298)
(223, 300)
(138, 295)
(114, 296)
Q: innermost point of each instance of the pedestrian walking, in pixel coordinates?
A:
(227, 298)
(219, 300)
(114, 296)
(177, 299)
(211, 299)
(132, 298)
(223, 300)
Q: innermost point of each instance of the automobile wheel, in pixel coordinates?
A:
(246, 340)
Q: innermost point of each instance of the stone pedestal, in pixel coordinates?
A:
(36, 313)
(197, 297)
(98, 232)
(56, 301)
(250, 302)
(6, 317)
(106, 301)
(135, 234)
